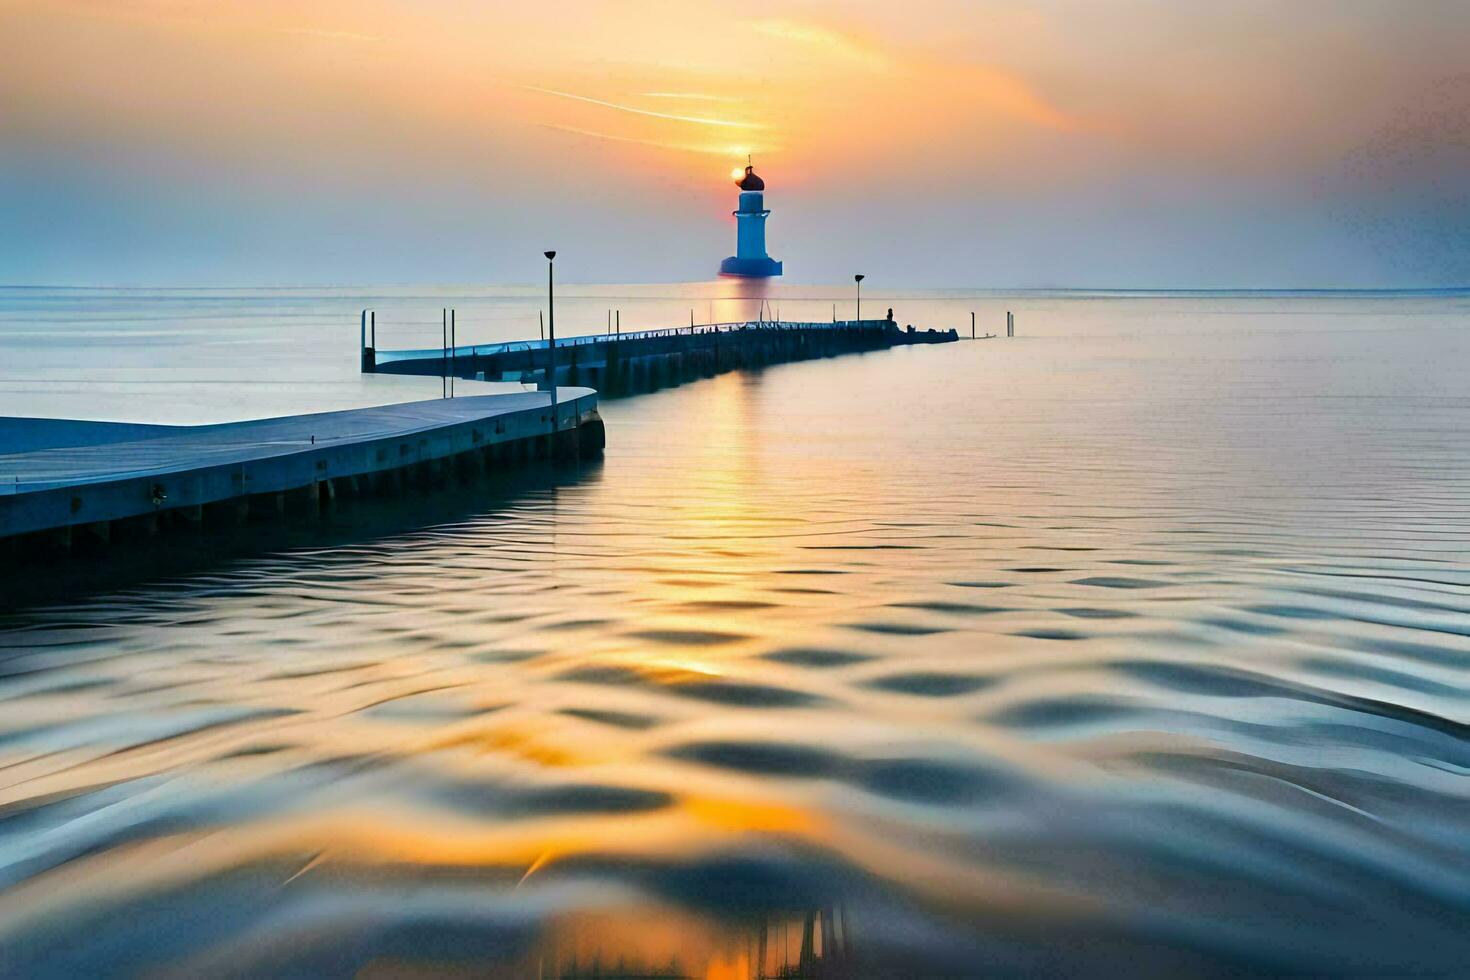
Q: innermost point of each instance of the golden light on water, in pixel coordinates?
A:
(892, 663)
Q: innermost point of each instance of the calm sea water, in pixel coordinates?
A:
(1138, 644)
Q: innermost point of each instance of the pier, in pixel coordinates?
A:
(79, 484)
(73, 486)
(628, 363)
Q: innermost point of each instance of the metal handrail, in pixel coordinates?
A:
(514, 346)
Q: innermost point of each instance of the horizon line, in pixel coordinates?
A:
(998, 290)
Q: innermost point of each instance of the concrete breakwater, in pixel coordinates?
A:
(101, 485)
(71, 486)
(628, 363)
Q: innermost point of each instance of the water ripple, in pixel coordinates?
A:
(1150, 657)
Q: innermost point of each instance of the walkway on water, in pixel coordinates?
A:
(180, 471)
(67, 484)
(624, 363)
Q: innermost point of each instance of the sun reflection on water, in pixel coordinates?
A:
(1060, 673)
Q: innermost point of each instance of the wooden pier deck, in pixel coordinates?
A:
(182, 470)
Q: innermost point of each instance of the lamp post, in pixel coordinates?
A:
(859, 280)
(551, 333)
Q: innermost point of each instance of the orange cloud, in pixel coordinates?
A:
(1000, 90)
(833, 42)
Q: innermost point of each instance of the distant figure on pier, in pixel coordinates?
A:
(890, 316)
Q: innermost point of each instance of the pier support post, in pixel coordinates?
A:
(233, 512)
(57, 540)
(305, 499)
(92, 537)
(591, 438)
(467, 466)
(566, 446)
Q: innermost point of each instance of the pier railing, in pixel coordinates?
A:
(564, 343)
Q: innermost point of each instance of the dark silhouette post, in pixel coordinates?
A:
(807, 961)
(363, 358)
(859, 280)
(972, 324)
(551, 332)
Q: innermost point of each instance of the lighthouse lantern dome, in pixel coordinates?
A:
(751, 181)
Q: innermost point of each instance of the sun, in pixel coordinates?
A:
(737, 173)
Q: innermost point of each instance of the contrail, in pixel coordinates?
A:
(722, 151)
(643, 112)
(695, 96)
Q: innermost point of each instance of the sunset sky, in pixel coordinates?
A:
(1105, 143)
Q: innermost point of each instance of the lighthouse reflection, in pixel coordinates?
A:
(784, 944)
(738, 300)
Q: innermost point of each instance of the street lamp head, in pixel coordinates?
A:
(859, 277)
(549, 255)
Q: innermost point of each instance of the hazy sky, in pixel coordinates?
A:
(1125, 143)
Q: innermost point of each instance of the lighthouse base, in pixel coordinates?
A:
(761, 268)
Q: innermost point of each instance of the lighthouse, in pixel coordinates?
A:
(750, 259)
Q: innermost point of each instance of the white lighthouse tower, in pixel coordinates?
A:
(750, 259)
